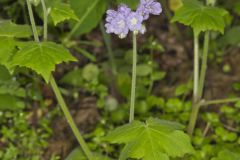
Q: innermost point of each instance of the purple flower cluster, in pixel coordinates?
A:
(123, 20)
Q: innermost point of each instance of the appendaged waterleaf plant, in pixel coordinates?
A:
(202, 18)
(153, 140)
(122, 21)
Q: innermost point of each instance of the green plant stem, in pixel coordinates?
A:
(193, 118)
(206, 129)
(196, 106)
(195, 110)
(196, 68)
(134, 76)
(198, 83)
(45, 20)
(219, 101)
(70, 119)
(107, 40)
(78, 24)
(203, 66)
(34, 28)
(55, 87)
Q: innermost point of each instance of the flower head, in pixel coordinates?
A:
(147, 7)
(121, 21)
(117, 21)
(117, 25)
(134, 21)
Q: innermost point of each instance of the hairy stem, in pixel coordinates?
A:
(134, 76)
(193, 118)
(203, 66)
(34, 28)
(45, 20)
(196, 107)
(196, 68)
(198, 84)
(70, 119)
(107, 40)
(55, 87)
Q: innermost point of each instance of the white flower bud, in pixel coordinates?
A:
(121, 36)
(143, 29)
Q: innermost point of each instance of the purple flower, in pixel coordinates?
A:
(134, 21)
(121, 21)
(147, 7)
(117, 21)
(111, 14)
(124, 10)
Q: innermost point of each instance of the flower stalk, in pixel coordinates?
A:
(121, 22)
(134, 76)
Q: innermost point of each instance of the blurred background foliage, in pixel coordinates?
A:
(97, 87)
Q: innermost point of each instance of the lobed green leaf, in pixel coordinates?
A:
(201, 18)
(154, 140)
(41, 57)
(8, 33)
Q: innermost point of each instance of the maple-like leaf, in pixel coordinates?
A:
(153, 140)
(41, 57)
(201, 18)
